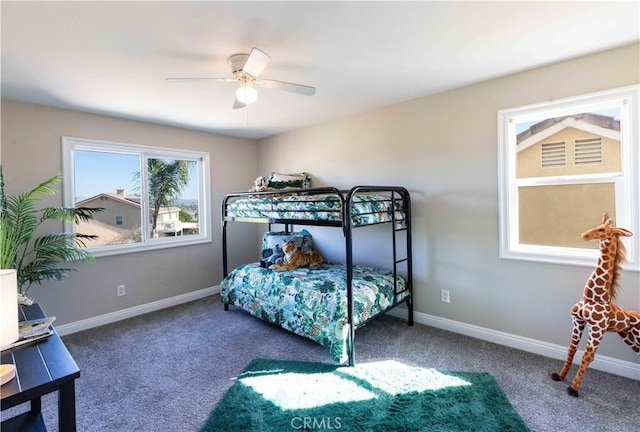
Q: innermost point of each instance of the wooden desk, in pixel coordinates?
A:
(41, 367)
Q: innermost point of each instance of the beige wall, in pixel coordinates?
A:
(31, 153)
(443, 148)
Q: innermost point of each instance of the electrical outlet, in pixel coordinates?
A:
(444, 296)
(120, 290)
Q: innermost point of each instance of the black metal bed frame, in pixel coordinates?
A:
(398, 196)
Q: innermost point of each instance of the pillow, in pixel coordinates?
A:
(295, 181)
(272, 245)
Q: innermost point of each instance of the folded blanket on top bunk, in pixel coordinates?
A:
(366, 209)
(312, 302)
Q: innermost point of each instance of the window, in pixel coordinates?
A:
(153, 197)
(562, 164)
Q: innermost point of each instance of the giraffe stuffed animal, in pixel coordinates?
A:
(596, 308)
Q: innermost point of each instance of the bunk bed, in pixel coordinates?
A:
(325, 303)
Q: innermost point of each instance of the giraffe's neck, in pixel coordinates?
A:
(599, 284)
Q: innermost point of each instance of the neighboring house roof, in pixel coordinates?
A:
(121, 196)
(132, 201)
(168, 209)
(597, 124)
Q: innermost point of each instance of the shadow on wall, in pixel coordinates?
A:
(461, 237)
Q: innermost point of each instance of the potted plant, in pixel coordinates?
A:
(44, 257)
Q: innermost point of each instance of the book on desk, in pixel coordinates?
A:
(32, 331)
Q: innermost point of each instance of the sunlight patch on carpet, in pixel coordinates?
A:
(273, 395)
(292, 390)
(396, 378)
(299, 390)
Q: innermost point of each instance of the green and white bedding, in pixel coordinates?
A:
(366, 209)
(312, 302)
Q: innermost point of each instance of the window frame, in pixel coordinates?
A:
(627, 182)
(145, 152)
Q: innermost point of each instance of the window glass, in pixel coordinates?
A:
(108, 180)
(558, 203)
(173, 197)
(581, 143)
(151, 197)
(562, 165)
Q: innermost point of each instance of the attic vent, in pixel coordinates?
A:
(554, 155)
(588, 151)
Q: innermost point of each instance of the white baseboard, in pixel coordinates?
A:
(100, 320)
(607, 364)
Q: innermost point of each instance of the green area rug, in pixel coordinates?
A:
(280, 396)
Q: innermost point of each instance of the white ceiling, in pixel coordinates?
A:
(113, 57)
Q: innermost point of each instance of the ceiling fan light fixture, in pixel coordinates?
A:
(245, 69)
(246, 94)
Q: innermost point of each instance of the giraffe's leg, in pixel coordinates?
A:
(635, 331)
(631, 336)
(576, 334)
(595, 336)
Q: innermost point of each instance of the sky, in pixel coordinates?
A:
(102, 172)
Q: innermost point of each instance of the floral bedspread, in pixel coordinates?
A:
(366, 209)
(312, 302)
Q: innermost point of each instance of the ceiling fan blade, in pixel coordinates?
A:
(237, 104)
(287, 86)
(201, 79)
(256, 63)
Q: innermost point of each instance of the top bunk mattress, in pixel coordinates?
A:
(366, 209)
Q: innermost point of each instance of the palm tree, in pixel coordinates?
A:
(167, 179)
(40, 258)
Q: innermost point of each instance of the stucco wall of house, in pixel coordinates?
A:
(529, 164)
(560, 202)
(130, 213)
(573, 208)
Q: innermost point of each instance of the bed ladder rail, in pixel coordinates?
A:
(398, 194)
(403, 226)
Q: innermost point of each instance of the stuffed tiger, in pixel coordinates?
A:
(294, 257)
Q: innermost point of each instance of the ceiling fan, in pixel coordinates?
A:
(246, 68)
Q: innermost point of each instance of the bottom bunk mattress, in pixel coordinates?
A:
(312, 302)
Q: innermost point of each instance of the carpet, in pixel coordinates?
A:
(280, 396)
